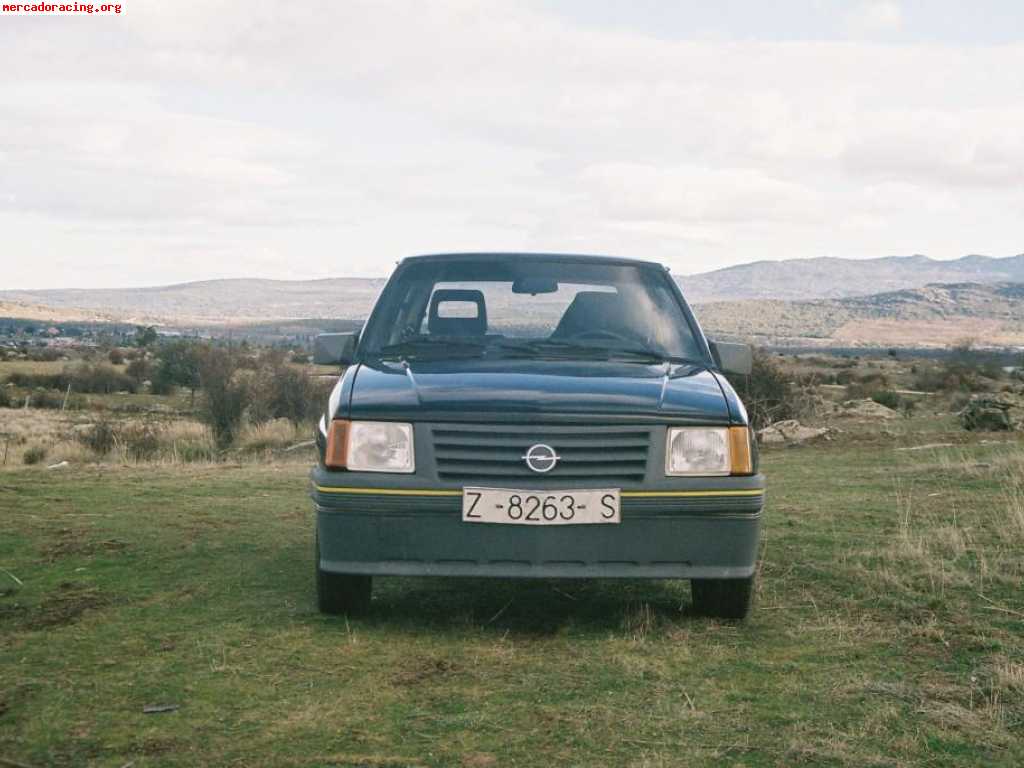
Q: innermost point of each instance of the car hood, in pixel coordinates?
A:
(518, 390)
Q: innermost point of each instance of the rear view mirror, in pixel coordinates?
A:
(335, 348)
(534, 285)
(733, 358)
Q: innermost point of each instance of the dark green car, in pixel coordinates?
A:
(535, 415)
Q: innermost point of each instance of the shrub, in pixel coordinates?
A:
(101, 439)
(178, 367)
(101, 380)
(88, 378)
(54, 401)
(771, 393)
(888, 398)
(116, 356)
(866, 386)
(193, 450)
(5, 398)
(282, 392)
(225, 394)
(45, 354)
(139, 370)
(141, 441)
(34, 455)
(35, 380)
(145, 335)
(966, 370)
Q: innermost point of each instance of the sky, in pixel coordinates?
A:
(197, 139)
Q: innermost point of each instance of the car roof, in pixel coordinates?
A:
(526, 256)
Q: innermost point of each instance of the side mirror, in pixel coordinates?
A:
(733, 358)
(335, 348)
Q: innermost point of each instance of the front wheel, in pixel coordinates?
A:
(341, 593)
(723, 598)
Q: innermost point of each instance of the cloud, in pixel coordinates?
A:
(246, 138)
(878, 16)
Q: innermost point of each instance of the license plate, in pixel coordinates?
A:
(510, 506)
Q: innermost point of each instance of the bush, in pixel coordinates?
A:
(193, 450)
(178, 367)
(34, 455)
(116, 356)
(101, 439)
(101, 380)
(772, 394)
(141, 441)
(54, 401)
(88, 379)
(225, 394)
(282, 392)
(966, 370)
(5, 398)
(888, 398)
(45, 354)
(35, 380)
(139, 370)
(866, 386)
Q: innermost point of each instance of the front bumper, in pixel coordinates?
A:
(387, 525)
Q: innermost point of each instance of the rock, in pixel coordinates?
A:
(865, 409)
(789, 431)
(987, 414)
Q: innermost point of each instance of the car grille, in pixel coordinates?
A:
(493, 453)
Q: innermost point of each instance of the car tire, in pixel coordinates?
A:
(341, 593)
(723, 598)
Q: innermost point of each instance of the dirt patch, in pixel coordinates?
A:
(420, 671)
(74, 544)
(10, 610)
(157, 746)
(479, 760)
(66, 606)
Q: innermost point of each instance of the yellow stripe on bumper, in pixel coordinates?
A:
(447, 492)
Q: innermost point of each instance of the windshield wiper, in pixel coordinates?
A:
(437, 348)
(557, 348)
(651, 354)
(543, 347)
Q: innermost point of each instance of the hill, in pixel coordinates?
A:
(829, 278)
(935, 315)
(216, 301)
(878, 302)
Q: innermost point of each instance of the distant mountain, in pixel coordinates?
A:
(247, 300)
(887, 301)
(934, 315)
(216, 301)
(829, 278)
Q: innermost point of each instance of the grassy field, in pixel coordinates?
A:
(889, 631)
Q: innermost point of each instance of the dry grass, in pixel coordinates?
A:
(152, 438)
(272, 436)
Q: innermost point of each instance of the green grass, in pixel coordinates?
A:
(889, 631)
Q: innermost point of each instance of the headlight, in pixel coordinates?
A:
(380, 446)
(708, 451)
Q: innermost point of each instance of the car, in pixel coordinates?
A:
(520, 415)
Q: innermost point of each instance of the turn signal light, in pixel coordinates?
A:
(336, 456)
(742, 463)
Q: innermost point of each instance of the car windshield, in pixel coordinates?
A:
(532, 308)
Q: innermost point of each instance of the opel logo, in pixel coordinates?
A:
(541, 458)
